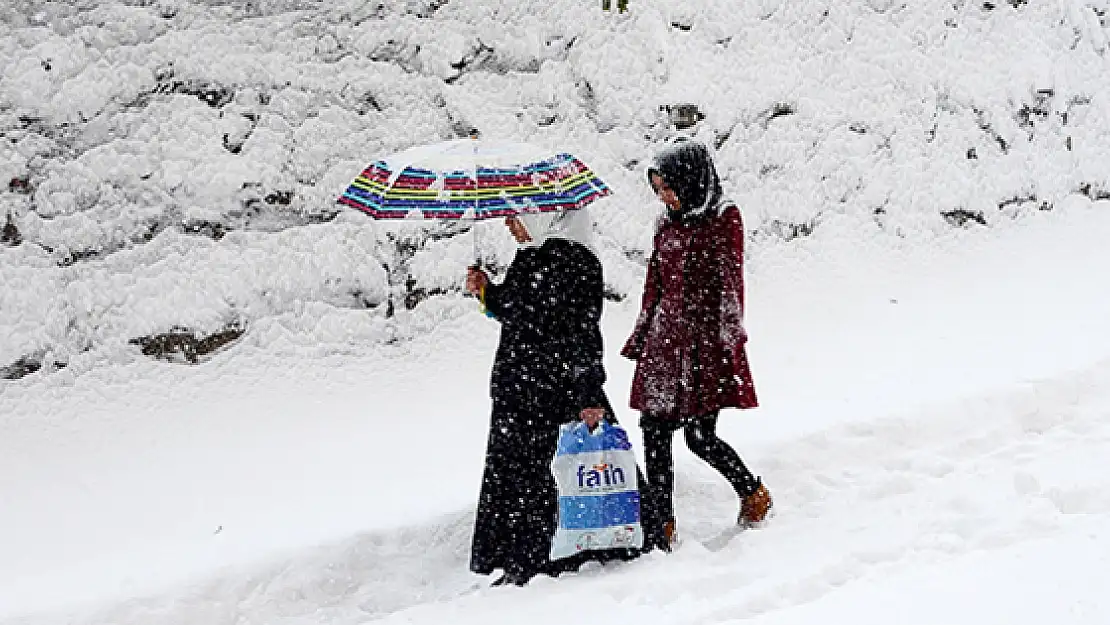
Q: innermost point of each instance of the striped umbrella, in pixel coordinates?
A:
(472, 179)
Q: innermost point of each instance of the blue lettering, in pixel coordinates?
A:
(599, 474)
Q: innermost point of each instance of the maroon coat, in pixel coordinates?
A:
(689, 339)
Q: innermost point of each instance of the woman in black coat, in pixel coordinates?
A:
(548, 371)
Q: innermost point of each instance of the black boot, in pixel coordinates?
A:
(516, 578)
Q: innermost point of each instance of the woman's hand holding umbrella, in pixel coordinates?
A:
(476, 281)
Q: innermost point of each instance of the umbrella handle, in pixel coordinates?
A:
(477, 264)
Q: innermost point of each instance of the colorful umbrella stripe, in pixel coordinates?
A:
(563, 182)
(464, 186)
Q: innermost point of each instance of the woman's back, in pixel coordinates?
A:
(549, 307)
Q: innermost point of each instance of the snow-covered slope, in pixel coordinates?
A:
(155, 149)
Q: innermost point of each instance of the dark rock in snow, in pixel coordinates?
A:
(184, 345)
(9, 234)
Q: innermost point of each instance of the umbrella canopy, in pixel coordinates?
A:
(472, 179)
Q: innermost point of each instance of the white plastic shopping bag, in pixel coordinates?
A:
(599, 499)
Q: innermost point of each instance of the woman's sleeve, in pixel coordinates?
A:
(586, 291)
(733, 334)
(634, 346)
(505, 300)
(589, 386)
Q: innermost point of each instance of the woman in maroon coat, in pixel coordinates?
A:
(688, 343)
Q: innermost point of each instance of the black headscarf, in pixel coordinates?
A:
(687, 168)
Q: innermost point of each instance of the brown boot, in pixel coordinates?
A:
(754, 507)
(670, 532)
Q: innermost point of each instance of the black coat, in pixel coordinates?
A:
(549, 307)
(547, 369)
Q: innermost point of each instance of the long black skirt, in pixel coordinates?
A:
(518, 502)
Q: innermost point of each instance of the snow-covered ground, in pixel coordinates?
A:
(934, 431)
(174, 164)
(926, 191)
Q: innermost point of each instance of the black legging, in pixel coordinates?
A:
(701, 438)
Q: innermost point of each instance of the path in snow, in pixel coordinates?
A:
(972, 490)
